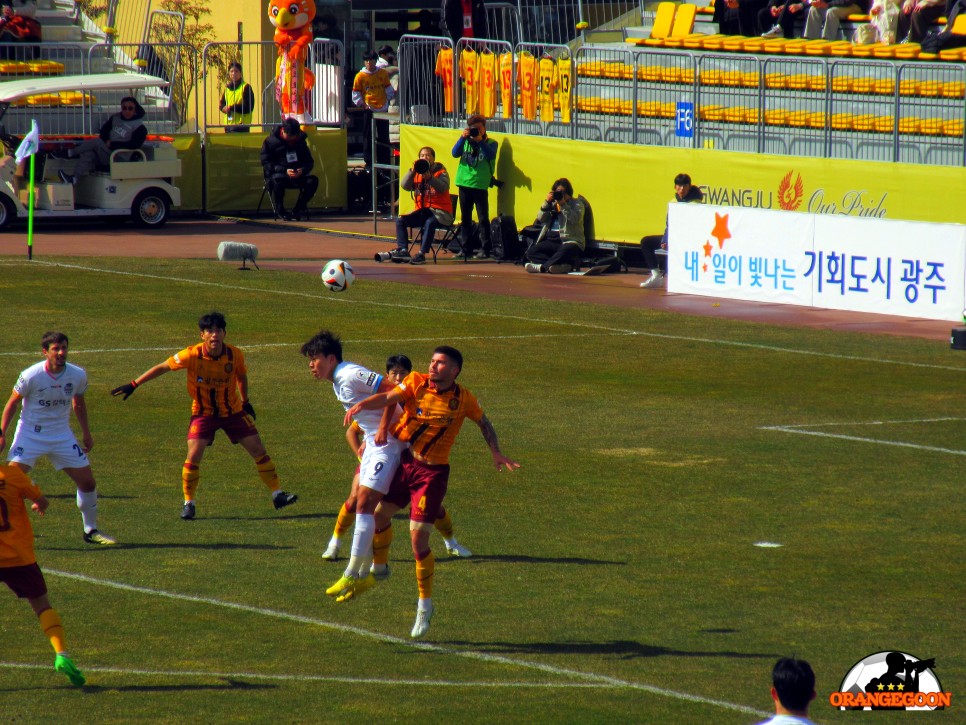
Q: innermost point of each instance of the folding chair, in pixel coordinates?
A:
(271, 199)
(444, 235)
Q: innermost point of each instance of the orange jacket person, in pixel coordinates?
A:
(218, 386)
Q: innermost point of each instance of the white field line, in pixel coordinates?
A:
(587, 677)
(802, 429)
(329, 297)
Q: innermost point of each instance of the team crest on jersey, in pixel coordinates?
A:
(69, 389)
(18, 451)
(454, 403)
(229, 367)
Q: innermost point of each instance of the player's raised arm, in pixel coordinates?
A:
(489, 435)
(9, 411)
(127, 390)
(373, 402)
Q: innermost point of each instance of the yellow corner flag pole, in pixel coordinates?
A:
(29, 147)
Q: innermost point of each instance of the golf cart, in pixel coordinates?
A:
(138, 182)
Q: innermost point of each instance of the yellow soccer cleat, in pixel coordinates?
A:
(358, 587)
(344, 583)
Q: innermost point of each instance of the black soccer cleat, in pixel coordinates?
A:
(188, 510)
(282, 499)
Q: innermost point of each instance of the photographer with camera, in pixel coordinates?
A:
(474, 177)
(561, 242)
(429, 183)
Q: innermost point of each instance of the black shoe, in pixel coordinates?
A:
(282, 499)
(188, 510)
(418, 259)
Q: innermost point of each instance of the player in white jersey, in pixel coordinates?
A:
(352, 383)
(47, 392)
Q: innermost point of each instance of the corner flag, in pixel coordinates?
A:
(27, 149)
(30, 144)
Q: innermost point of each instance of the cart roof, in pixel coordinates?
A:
(11, 91)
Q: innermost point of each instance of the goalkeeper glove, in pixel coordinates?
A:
(247, 407)
(126, 390)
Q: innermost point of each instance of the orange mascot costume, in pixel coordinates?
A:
(293, 35)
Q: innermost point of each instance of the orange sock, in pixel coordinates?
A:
(380, 545)
(50, 623)
(425, 568)
(189, 480)
(344, 522)
(444, 524)
(266, 471)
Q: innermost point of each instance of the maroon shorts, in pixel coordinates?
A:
(236, 427)
(420, 486)
(27, 582)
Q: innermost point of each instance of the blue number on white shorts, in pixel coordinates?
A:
(377, 467)
(80, 453)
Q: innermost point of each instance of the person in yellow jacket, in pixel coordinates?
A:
(237, 102)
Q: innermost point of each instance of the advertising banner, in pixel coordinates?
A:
(912, 269)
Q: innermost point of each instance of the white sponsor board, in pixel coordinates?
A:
(912, 269)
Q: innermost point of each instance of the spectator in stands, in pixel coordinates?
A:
(562, 241)
(738, 17)
(386, 57)
(428, 24)
(123, 130)
(793, 688)
(287, 163)
(372, 90)
(918, 15)
(465, 19)
(684, 193)
(883, 23)
(429, 183)
(780, 17)
(325, 27)
(18, 25)
(477, 155)
(238, 101)
(826, 16)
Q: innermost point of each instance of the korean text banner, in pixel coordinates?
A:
(911, 269)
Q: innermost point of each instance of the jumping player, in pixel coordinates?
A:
(48, 391)
(434, 407)
(18, 564)
(218, 386)
(397, 368)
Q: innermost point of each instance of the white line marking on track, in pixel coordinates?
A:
(585, 325)
(379, 637)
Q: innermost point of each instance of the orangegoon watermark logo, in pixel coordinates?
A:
(891, 681)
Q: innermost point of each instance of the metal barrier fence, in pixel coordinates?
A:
(122, 22)
(427, 72)
(503, 21)
(555, 21)
(478, 66)
(819, 107)
(324, 105)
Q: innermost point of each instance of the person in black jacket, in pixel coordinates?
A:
(458, 24)
(288, 162)
(686, 193)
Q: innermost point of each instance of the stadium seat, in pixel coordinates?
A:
(842, 84)
(753, 45)
(663, 22)
(776, 81)
(909, 124)
(953, 127)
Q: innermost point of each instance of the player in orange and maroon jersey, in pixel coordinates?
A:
(218, 386)
(18, 564)
(434, 407)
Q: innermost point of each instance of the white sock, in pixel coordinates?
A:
(424, 605)
(361, 556)
(87, 503)
(450, 543)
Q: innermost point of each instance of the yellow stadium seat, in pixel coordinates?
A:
(930, 89)
(884, 124)
(731, 78)
(798, 119)
(816, 82)
(841, 50)
(711, 113)
(909, 51)
(669, 109)
(909, 87)
(862, 85)
(687, 76)
(796, 46)
(909, 124)
(842, 84)
(649, 73)
(590, 104)
(959, 25)
(714, 42)
(953, 54)
(931, 126)
(863, 122)
(862, 51)
(884, 51)
(797, 82)
(753, 45)
(44, 99)
(734, 43)
(750, 79)
(610, 105)
(696, 41)
(751, 115)
(649, 109)
(816, 119)
(927, 56)
(683, 20)
(776, 81)
(663, 22)
(953, 128)
(775, 45)
(952, 89)
(671, 75)
(884, 86)
(15, 67)
(590, 70)
(842, 121)
(818, 47)
(711, 77)
(736, 114)
(776, 117)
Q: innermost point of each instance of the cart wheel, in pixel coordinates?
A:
(151, 208)
(8, 212)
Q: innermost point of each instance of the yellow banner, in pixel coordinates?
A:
(628, 187)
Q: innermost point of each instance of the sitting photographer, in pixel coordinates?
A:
(429, 184)
(561, 242)
(474, 176)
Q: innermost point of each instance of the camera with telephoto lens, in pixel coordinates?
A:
(383, 256)
(421, 166)
(558, 195)
(474, 132)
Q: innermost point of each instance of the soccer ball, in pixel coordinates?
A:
(337, 275)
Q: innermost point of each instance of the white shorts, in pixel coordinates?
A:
(58, 444)
(379, 464)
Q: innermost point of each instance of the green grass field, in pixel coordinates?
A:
(615, 576)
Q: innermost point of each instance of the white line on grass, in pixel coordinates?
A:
(320, 678)
(901, 444)
(379, 637)
(586, 325)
